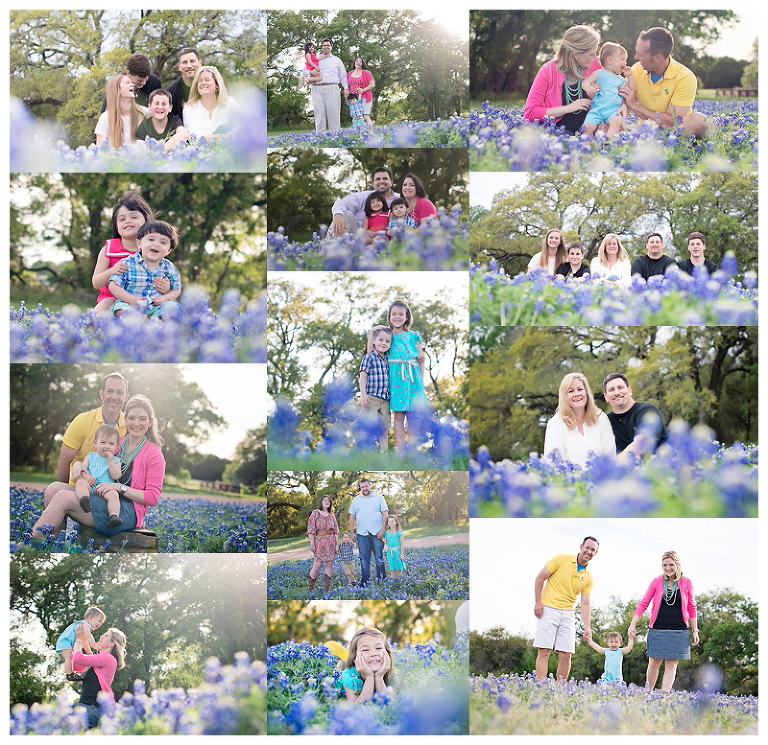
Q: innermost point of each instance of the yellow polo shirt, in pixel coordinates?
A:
(676, 88)
(79, 434)
(565, 583)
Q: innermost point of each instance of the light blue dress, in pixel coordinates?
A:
(406, 388)
(613, 659)
(98, 467)
(607, 101)
(67, 637)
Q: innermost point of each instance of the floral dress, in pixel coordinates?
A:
(394, 559)
(406, 388)
(325, 545)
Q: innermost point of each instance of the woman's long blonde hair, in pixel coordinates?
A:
(114, 116)
(120, 643)
(143, 402)
(673, 555)
(221, 92)
(352, 650)
(576, 40)
(591, 411)
(622, 254)
(560, 257)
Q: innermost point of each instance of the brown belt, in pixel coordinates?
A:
(325, 532)
(325, 83)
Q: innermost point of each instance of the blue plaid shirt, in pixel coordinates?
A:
(409, 221)
(346, 552)
(356, 112)
(138, 280)
(377, 368)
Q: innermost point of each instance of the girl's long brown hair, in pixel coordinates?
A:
(114, 117)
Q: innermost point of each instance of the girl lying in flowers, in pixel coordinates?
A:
(367, 667)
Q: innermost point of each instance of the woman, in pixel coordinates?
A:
(210, 112)
(557, 90)
(578, 429)
(322, 530)
(419, 207)
(612, 262)
(108, 657)
(673, 609)
(117, 124)
(143, 470)
(552, 253)
(361, 82)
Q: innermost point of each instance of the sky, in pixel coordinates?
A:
(506, 554)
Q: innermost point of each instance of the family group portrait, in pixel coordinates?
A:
(354, 535)
(116, 645)
(593, 249)
(134, 90)
(607, 90)
(137, 459)
(129, 271)
(614, 421)
(367, 371)
(638, 619)
(373, 209)
(379, 78)
(365, 667)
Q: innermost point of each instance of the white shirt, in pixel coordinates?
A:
(367, 512)
(621, 269)
(534, 264)
(200, 122)
(573, 446)
(102, 128)
(332, 70)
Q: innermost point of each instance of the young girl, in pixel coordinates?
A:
(102, 465)
(128, 215)
(393, 535)
(376, 217)
(368, 668)
(608, 106)
(79, 631)
(311, 65)
(406, 371)
(118, 124)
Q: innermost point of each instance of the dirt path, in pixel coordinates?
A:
(426, 541)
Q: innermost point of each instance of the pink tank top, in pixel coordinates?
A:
(114, 251)
(378, 221)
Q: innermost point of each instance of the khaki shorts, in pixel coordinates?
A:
(348, 568)
(556, 630)
(380, 407)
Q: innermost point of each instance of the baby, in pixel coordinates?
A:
(104, 467)
(614, 654)
(79, 631)
(608, 106)
(398, 216)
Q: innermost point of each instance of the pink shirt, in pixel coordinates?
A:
(547, 90)
(104, 665)
(356, 83)
(653, 596)
(423, 208)
(147, 475)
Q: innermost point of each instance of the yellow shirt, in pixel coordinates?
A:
(676, 88)
(79, 434)
(565, 583)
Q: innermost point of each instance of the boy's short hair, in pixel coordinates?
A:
(351, 96)
(613, 635)
(608, 49)
(379, 329)
(159, 92)
(397, 201)
(698, 235)
(106, 429)
(139, 65)
(92, 610)
(160, 227)
(346, 532)
(575, 244)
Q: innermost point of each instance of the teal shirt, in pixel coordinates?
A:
(351, 679)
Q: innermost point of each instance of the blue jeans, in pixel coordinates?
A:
(367, 543)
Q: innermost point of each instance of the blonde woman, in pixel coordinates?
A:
(552, 253)
(118, 123)
(579, 428)
(210, 111)
(558, 89)
(673, 612)
(612, 262)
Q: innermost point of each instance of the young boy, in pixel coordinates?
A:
(103, 466)
(346, 552)
(135, 289)
(162, 125)
(574, 268)
(614, 654)
(355, 110)
(79, 631)
(398, 211)
(374, 382)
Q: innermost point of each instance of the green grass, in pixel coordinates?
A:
(53, 299)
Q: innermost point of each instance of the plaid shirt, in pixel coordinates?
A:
(346, 552)
(377, 368)
(409, 221)
(356, 112)
(138, 279)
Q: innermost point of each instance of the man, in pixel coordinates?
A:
(189, 64)
(139, 70)
(325, 94)
(367, 522)
(696, 245)
(555, 589)
(348, 212)
(637, 425)
(664, 89)
(655, 261)
(78, 439)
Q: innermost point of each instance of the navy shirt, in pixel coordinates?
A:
(647, 267)
(625, 425)
(687, 266)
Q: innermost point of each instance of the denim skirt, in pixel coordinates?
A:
(668, 644)
(100, 516)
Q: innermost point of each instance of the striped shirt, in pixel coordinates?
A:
(377, 368)
(138, 280)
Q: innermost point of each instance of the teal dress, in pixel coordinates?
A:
(394, 560)
(352, 679)
(406, 388)
(613, 659)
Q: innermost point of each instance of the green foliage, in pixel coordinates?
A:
(249, 466)
(749, 76)
(499, 653)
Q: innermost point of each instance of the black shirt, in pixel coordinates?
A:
(670, 616)
(687, 266)
(573, 120)
(179, 94)
(565, 270)
(648, 267)
(147, 129)
(624, 425)
(90, 689)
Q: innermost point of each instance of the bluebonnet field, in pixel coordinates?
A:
(452, 132)
(692, 476)
(497, 299)
(502, 140)
(196, 335)
(183, 525)
(44, 148)
(437, 572)
(431, 693)
(440, 245)
(229, 702)
(348, 440)
(521, 705)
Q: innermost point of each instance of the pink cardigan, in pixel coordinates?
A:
(104, 665)
(547, 90)
(147, 475)
(654, 595)
(422, 209)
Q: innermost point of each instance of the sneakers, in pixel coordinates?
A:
(75, 676)
(85, 503)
